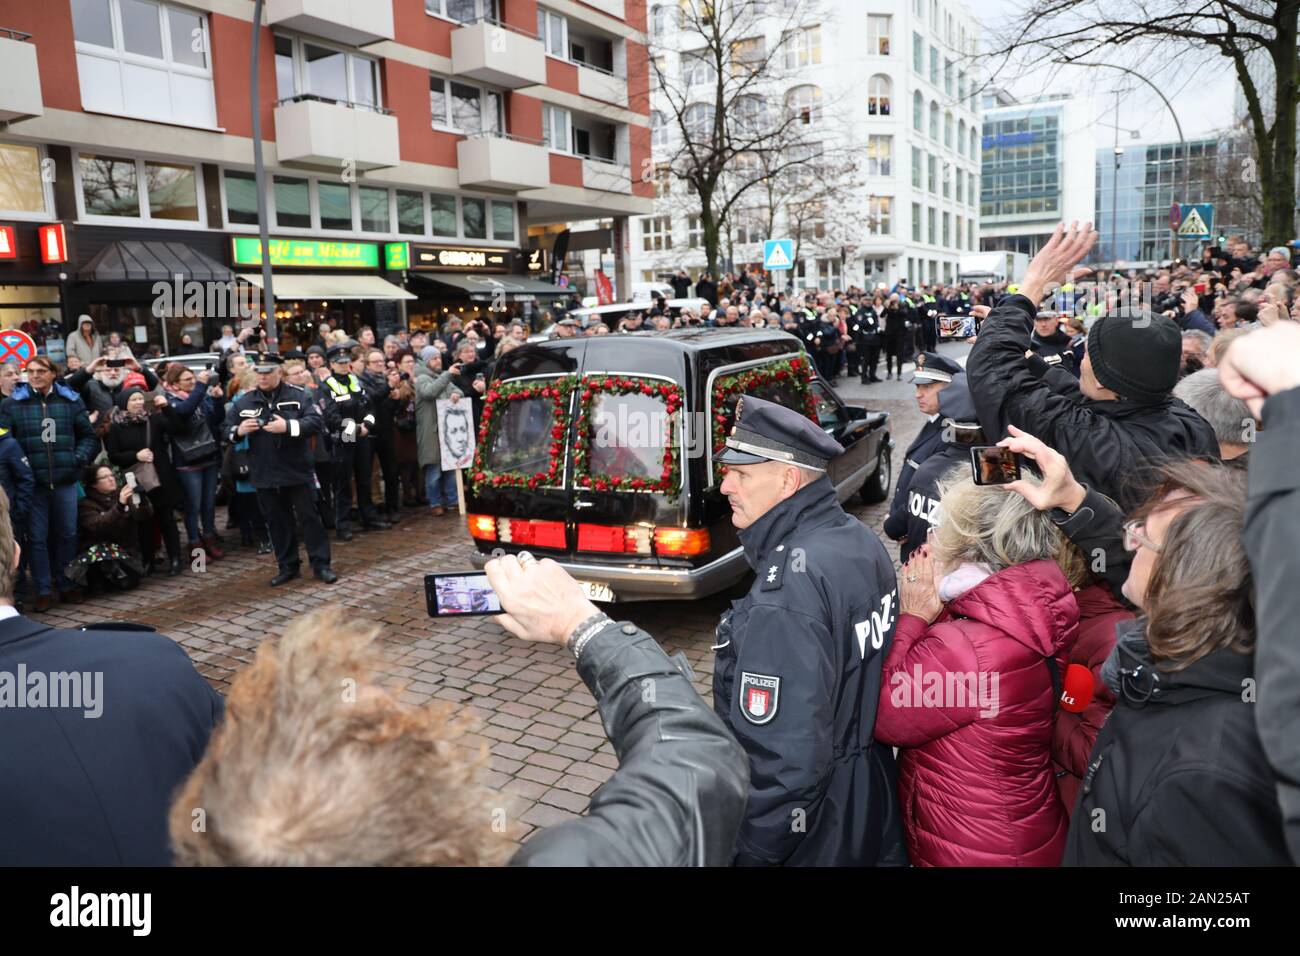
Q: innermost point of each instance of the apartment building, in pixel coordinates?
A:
(419, 154)
(895, 83)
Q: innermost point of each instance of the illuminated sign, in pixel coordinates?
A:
(8, 242)
(54, 244)
(536, 261)
(460, 259)
(397, 255)
(306, 253)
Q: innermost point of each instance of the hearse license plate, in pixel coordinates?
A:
(597, 592)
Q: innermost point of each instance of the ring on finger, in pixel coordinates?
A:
(526, 558)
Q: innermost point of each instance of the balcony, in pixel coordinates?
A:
(351, 22)
(494, 53)
(314, 131)
(615, 8)
(20, 93)
(496, 161)
(606, 174)
(601, 85)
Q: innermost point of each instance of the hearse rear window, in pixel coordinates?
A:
(521, 437)
(628, 435)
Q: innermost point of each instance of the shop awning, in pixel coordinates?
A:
(483, 288)
(135, 260)
(320, 286)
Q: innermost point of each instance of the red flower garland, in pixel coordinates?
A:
(669, 480)
(797, 371)
(495, 401)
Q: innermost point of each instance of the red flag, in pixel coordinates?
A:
(604, 291)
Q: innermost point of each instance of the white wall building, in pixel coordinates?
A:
(900, 83)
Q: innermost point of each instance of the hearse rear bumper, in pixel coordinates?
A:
(655, 584)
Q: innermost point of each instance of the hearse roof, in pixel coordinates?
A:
(680, 340)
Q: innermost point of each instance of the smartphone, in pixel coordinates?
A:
(448, 593)
(116, 363)
(993, 465)
(130, 480)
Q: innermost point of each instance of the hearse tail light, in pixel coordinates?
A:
(537, 534)
(681, 542)
(483, 527)
(614, 539)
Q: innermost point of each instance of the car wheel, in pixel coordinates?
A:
(876, 488)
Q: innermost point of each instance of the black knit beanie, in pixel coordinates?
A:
(1137, 357)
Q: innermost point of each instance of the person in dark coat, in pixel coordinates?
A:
(135, 436)
(1122, 419)
(108, 533)
(935, 374)
(797, 673)
(1258, 366)
(867, 337)
(706, 288)
(16, 479)
(681, 284)
(381, 387)
(1051, 343)
(95, 792)
(895, 320)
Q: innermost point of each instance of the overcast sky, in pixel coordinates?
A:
(1202, 91)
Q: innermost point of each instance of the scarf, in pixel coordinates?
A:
(120, 416)
(965, 578)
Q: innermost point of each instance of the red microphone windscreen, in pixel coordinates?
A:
(1077, 693)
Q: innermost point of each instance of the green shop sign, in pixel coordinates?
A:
(397, 255)
(307, 253)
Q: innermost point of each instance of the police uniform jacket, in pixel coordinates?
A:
(865, 326)
(927, 441)
(278, 461)
(797, 679)
(343, 400)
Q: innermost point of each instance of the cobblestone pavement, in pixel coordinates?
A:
(548, 748)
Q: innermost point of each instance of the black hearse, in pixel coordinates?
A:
(598, 452)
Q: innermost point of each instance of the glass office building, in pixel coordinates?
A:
(1022, 176)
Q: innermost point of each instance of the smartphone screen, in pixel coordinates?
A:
(460, 592)
(991, 465)
(116, 363)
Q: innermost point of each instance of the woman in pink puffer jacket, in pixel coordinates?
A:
(968, 693)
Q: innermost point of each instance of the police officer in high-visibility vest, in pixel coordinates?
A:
(348, 418)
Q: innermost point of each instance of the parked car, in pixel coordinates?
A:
(598, 452)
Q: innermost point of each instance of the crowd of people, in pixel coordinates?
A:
(1093, 664)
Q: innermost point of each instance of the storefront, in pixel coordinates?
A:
(326, 280)
(31, 279)
(465, 282)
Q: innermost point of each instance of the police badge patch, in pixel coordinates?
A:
(759, 696)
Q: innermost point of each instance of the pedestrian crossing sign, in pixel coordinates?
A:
(778, 254)
(1198, 221)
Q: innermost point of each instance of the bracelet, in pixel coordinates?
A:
(585, 631)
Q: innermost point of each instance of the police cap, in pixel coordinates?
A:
(933, 367)
(766, 431)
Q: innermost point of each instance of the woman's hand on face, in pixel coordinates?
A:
(918, 591)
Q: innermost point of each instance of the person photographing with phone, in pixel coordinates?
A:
(278, 419)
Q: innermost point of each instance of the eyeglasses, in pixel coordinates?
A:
(1133, 538)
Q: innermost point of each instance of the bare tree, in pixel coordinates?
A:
(1250, 33)
(720, 81)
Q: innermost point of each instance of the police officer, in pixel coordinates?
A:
(934, 373)
(798, 669)
(278, 419)
(866, 331)
(348, 419)
(928, 320)
(1051, 343)
(959, 430)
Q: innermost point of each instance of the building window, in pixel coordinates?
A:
(658, 130)
(473, 217)
(829, 274)
(556, 126)
(303, 67)
(373, 203)
(878, 29)
(961, 178)
(917, 164)
(880, 90)
(22, 188)
(934, 67)
(123, 188)
(656, 233)
(918, 53)
(880, 215)
(697, 70)
(442, 216)
(932, 172)
(947, 77)
(694, 232)
(948, 172)
(880, 155)
(918, 111)
(961, 86)
(663, 180)
(957, 234)
(662, 19)
(145, 60)
(698, 120)
(974, 143)
(410, 212)
(947, 130)
(334, 201)
(747, 55)
(916, 222)
(803, 48)
(970, 233)
(553, 31)
(750, 113)
(292, 202)
(970, 189)
(947, 225)
(934, 120)
(462, 108)
(929, 222)
(805, 102)
(751, 226)
(961, 138)
(462, 11)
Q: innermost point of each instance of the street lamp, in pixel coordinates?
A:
(1114, 206)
